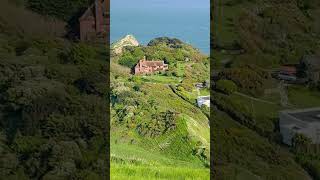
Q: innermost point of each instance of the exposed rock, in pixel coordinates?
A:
(128, 40)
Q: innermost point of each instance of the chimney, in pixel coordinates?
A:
(99, 15)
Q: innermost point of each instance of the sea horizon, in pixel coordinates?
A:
(145, 43)
(189, 24)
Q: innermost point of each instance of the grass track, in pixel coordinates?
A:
(134, 172)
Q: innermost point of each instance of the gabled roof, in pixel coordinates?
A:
(89, 13)
(152, 63)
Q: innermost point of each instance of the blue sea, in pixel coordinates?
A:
(148, 19)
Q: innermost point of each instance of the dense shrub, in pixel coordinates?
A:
(251, 80)
(300, 141)
(166, 49)
(170, 42)
(234, 109)
(127, 59)
(226, 86)
(80, 53)
(158, 125)
(45, 102)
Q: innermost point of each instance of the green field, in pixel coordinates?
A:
(137, 172)
(161, 79)
(180, 69)
(303, 97)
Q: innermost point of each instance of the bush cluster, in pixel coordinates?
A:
(226, 86)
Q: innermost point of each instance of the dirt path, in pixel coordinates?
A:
(253, 98)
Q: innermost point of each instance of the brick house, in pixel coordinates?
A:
(95, 22)
(148, 67)
(288, 72)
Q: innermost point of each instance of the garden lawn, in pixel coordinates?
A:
(161, 79)
(303, 97)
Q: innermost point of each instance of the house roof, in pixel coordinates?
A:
(152, 63)
(89, 13)
(203, 98)
(289, 68)
(306, 115)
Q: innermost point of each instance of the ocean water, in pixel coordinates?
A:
(147, 20)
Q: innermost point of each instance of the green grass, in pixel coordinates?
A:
(189, 96)
(167, 99)
(240, 153)
(134, 172)
(165, 150)
(303, 97)
(204, 92)
(170, 155)
(196, 131)
(180, 69)
(263, 113)
(138, 155)
(225, 31)
(161, 79)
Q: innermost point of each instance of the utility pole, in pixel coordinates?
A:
(283, 93)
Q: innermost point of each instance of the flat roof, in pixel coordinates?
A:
(307, 115)
(204, 97)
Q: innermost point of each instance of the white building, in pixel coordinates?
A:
(305, 121)
(203, 100)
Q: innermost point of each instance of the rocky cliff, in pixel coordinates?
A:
(128, 40)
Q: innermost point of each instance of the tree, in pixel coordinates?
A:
(127, 59)
(300, 142)
(226, 86)
(80, 53)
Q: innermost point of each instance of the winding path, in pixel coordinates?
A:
(253, 98)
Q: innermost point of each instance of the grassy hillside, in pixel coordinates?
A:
(242, 154)
(156, 133)
(251, 38)
(19, 21)
(268, 32)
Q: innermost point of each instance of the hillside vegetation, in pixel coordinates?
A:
(156, 131)
(251, 39)
(53, 106)
(16, 20)
(268, 32)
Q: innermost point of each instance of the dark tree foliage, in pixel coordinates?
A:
(66, 10)
(53, 110)
(226, 86)
(170, 42)
(62, 9)
(250, 79)
(161, 123)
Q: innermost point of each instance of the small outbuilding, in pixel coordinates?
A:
(303, 121)
(203, 100)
